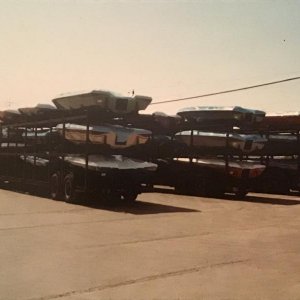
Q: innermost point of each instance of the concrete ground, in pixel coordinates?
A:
(165, 247)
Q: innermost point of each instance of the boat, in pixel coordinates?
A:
(40, 137)
(96, 162)
(36, 110)
(103, 100)
(200, 139)
(99, 162)
(233, 115)
(281, 121)
(116, 136)
(35, 160)
(282, 144)
(10, 115)
(166, 122)
(12, 145)
(235, 168)
(280, 177)
(284, 163)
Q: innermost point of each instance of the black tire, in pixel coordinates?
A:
(184, 187)
(214, 188)
(275, 182)
(130, 197)
(69, 189)
(241, 194)
(109, 197)
(55, 186)
(179, 190)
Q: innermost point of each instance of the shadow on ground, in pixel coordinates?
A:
(138, 207)
(254, 198)
(273, 199)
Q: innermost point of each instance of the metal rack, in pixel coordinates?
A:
(31, 148)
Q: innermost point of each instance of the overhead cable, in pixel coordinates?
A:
(227, 91)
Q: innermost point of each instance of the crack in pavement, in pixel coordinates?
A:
(132, 218)
(45, 212)
(166, 238)
(62, 224)
(85, 222)
(141, 280)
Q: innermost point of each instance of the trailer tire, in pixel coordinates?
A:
(130, 197)
(55, 186)
(109, 197)
(69, 189)
(276, 182)
(182, 187)
(241, 194)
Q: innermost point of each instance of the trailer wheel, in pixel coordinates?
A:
(275, 182)
(182, 187)
(241, 194)
(55, 186)
(69, 189)
(109, 197)
(130, 197)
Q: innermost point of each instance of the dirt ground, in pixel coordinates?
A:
(165, 247)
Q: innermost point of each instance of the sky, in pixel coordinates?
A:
(162, 49)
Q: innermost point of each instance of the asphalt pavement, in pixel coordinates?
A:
(166, 246)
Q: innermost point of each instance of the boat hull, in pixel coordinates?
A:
(200, 140)
(117, 137)
(102, 162)
(234, 168)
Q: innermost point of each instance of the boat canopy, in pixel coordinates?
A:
(230, 114)
(38, 109)
(104, 100)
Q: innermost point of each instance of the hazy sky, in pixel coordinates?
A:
(164, 49)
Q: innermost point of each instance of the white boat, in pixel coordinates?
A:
(237, 169)
(37, 161)
(12, 145)
(234, 114)
(39, 135)
(38, 109)
(99, 162)
(199, 139)
(116, 136)
(103, 100)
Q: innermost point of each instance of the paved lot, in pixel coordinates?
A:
(165, 247)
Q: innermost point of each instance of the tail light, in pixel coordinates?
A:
(235, 172)
(256, 172)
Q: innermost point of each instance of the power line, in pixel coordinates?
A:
(227, 91)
